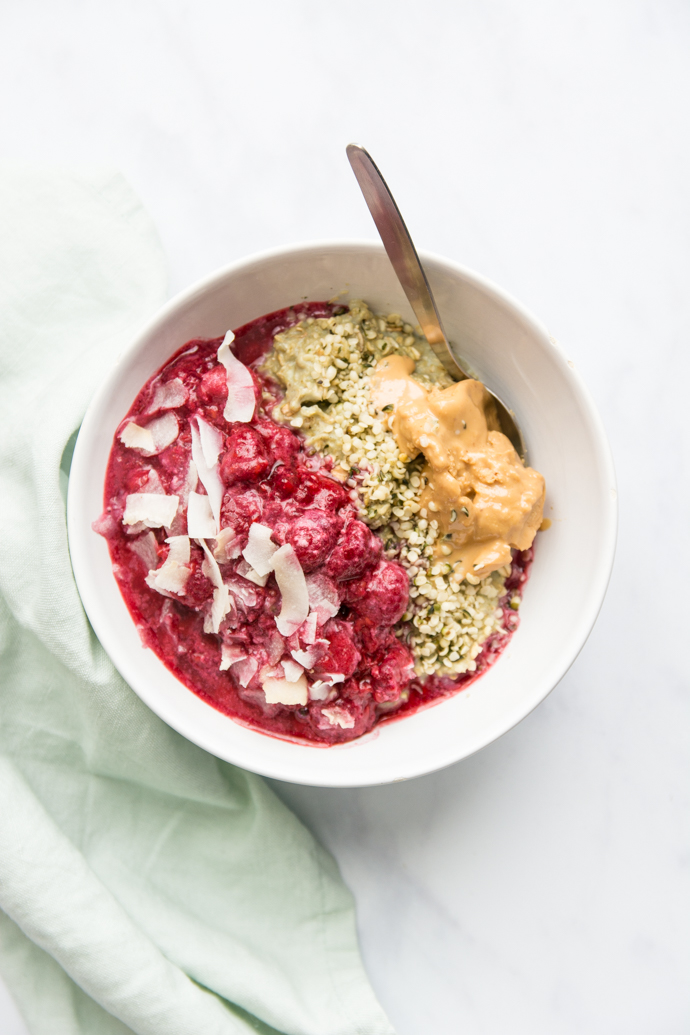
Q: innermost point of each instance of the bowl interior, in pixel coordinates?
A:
(503, 345)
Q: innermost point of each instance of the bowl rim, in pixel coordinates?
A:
(587, 616)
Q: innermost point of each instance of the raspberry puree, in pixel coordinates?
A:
(359, 671)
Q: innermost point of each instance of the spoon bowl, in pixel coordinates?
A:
(567, 443)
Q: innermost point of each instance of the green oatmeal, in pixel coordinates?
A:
(325, 366)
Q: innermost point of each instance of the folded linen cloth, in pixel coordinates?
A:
(145, 885)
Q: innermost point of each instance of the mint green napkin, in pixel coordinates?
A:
(145, 886)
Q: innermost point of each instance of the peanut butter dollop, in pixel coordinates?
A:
(475, 485)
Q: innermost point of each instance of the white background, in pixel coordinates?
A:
(539, 888)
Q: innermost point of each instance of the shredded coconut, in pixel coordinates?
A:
(293, 590)
(150, 509)
(154, 438)
(169, 395)
(172, 575)
(281, 691)
(209, 476)
(221, 595)
(201, 523)
(260, 549)
(241, 398)
(292, 670)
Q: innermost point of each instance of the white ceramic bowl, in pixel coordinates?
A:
(504, 345)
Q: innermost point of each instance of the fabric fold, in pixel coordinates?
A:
(39, 866)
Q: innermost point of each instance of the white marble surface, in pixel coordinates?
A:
(541, 886)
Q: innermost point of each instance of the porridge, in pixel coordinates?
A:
(313, 527)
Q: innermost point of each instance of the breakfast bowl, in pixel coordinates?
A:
(502, 345)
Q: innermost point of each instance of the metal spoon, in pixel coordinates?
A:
(405, 261)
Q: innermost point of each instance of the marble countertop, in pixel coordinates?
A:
(540, 886)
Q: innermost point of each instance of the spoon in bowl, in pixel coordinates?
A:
(405, 261)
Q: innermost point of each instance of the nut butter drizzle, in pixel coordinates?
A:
(484, 499)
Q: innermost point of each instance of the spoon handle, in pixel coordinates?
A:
(402, 254)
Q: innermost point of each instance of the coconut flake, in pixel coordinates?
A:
(247, 572)
(320, 691)
(153, 483)
(172, 575)
(260, 550)
(304, 657)
(253, 576)
(134, 437)
(150, 509)
(154, 438)
(211, 442)
(323, 686)
(229, 655)
(244, 592)
(244, 671)
(167, 586)
(220, 607)
(210, 478)
(274, 644)
(201, 523)
(323, 597)
(146, 547)
(339, 717)
(106, 525)
(169, 395)
(192, 479)
(292, 670)
(293, 590)
(309, 657)
(241, 400)
(227, 546)
(221, 596)
(280, 691)
(307, 631)
(165, 430)
(179, 549)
